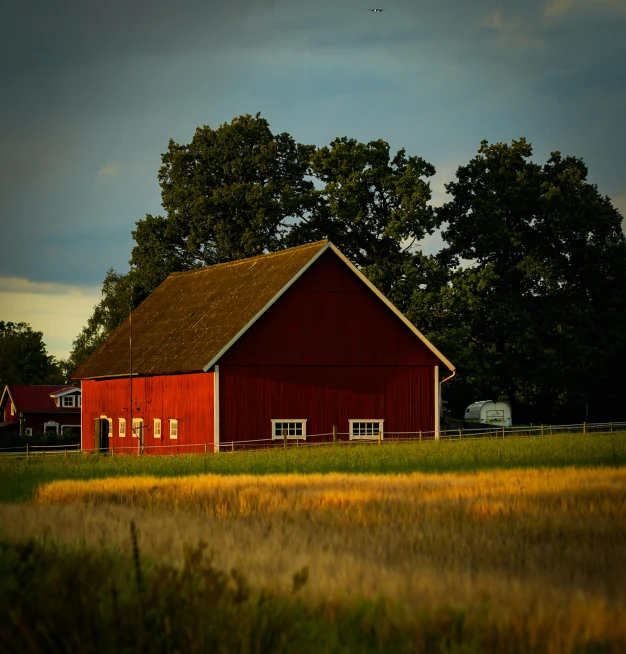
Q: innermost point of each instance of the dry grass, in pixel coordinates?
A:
(542, 549)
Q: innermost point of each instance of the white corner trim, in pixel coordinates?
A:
(437, 402)
(400, 315)
(216, 409)
(251, 322)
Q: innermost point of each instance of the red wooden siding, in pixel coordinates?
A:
(328, 350)
(251, 396)
(329, 317)
(187, 398)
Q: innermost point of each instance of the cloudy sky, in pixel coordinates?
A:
(91, 92)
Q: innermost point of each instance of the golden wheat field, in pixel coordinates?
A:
(541, 548)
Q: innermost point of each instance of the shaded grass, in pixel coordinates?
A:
(56, 600)
(20, 478)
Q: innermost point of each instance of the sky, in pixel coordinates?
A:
(92, 91)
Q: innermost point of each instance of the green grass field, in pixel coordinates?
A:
(525, 556)
(19, 477)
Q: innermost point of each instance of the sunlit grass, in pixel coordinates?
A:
(19, 478)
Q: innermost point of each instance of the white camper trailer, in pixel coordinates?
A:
(489, 413)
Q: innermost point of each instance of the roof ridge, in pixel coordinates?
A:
(234, 262)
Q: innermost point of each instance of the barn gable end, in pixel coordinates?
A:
(327, 351)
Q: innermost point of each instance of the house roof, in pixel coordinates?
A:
(193, 318)
(35, 399)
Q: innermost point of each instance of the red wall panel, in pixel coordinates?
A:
(251, 396)
(187, 398)
(328, 350)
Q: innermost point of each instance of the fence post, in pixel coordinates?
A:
(420, 434)
(611, 427)
(284, 438)
(550, 430)
(334, 434)
(460, 434)
(379, 436)
(542, 430)
(232, 446)
(112, 451)
(584, 427)
(502, 431)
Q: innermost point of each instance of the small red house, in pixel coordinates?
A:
(288, 344)
(32, 410)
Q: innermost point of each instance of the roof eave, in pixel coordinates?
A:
(6, 391)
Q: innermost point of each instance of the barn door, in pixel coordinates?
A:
(96, 435)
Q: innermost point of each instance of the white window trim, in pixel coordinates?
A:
(173, 423)
(121, 421)
(50, 423)
(12, 409)
(381, 422)
(134, 429)
(157, 422)
(62, 427)
(78, 400)
(294, 437)
(68, 398)
(28, 431)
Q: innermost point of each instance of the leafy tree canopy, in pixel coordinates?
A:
(23, 357)
(536, 306)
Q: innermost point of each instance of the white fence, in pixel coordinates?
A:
(317, 440)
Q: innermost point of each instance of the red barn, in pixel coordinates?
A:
(31, 410)
(288, 344)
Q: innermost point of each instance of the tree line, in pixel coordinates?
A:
(526, 297)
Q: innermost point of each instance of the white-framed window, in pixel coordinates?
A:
(122, 427)
(137, 427)
(68, 401)
(28, 431)
(51, 426)
(282, 427)
(173, 428)
(157, 428)
(12, 409)
(366, 428)
(78, 400)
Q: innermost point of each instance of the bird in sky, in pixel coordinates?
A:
(376, 11)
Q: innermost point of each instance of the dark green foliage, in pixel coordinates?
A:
(230, 193)
(119, 294)
(23, 357)
(375, 207)
(19, 478)
(536, 318)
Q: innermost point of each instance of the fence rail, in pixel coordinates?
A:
(318, 440)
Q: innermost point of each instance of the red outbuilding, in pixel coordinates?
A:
(288, 344)
(33, 410)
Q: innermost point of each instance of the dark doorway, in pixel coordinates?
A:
(104, 435)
